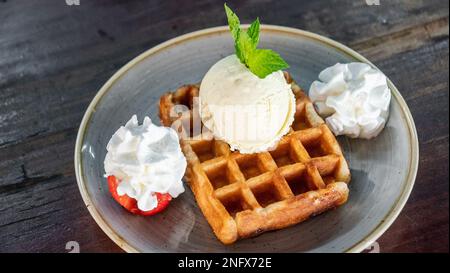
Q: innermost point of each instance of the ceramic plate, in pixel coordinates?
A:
(383, 169)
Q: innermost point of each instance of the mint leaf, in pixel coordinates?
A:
(239, 52)
(233, 22)
(264, 62)
(260, 62)
(253, 32)
(245, 46)
(240, 41)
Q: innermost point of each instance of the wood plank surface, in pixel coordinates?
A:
(55, 57)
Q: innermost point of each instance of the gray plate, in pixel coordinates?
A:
(383, 170)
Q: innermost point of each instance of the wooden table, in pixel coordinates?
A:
(54, 57)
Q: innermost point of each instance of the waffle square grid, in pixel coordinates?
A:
(243, 195)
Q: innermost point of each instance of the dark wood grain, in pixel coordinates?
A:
(54, 58)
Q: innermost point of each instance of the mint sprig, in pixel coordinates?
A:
(261, 62)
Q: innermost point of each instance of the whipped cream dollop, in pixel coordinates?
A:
(146, 159)
(249, 113)
(354, 99)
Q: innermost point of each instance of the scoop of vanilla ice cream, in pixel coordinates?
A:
(249, 113)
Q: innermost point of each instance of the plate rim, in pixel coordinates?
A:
(372, 236)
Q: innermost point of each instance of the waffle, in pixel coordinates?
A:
(243, 195)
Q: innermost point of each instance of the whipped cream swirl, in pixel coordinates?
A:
(354, 98)
(147, 159)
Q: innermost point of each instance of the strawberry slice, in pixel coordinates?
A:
(130, 204)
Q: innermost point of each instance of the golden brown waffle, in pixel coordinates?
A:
(242, 195)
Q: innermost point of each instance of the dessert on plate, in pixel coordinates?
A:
(248, 185)
(253, 147)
